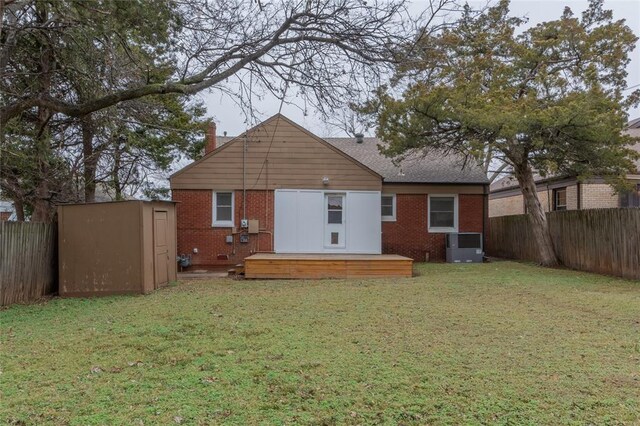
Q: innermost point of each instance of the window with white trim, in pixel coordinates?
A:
(560, 199)
(223, 209)
(443, 213)
(388, 207)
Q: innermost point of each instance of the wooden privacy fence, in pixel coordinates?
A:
(606, 241)
(28, 260)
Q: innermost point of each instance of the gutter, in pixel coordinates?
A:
(485, 216)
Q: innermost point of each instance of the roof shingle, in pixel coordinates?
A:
(416, 168)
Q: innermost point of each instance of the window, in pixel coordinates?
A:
(443, 213)
(388, 207)
(631, 198)
(334, 209)
(223, 209)
(560, 199)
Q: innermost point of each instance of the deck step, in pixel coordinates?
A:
(239, 269)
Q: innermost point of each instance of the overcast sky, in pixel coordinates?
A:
(231, 118)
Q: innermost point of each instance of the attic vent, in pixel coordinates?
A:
(359, 138)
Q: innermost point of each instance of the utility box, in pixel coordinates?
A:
(254, 226)
(119, 247)
(464, 247)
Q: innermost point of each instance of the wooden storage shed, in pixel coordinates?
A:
(116, 248)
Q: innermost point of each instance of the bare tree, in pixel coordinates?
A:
(74, 59)
(328, 49)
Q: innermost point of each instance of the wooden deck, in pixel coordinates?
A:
(269, 265)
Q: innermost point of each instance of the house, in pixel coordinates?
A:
(279, 188)
(566, 193)
(7, 211)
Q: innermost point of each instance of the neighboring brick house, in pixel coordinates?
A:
(567, 193)
(6, 211)
(303, 194)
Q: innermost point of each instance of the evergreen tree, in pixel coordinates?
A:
(547, 100)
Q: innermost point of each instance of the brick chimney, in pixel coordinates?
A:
(210, 138)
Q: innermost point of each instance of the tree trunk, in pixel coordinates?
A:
(541, 232)
(19, 208)
(116, 171)
(89, 160)
(43, 209)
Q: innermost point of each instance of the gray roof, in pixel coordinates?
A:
(416, 168)
(504, 183)
(6, 206)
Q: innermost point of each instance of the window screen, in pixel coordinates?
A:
(386, 205)
(334, 209)
(560, 199)
(224, 209)
(442, 212)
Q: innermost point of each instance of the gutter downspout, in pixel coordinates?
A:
(579, 195)
(244, 177)
(548, 199)
(485, 218)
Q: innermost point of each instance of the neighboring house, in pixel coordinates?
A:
(566, 193)
(7, 211)
(303, 194)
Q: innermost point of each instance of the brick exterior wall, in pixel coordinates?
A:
(592, 195)
(4, 216)
(409, 236)
(515, 205)
(194, 218)
(599, 196)
(507, 206)
(572, 197)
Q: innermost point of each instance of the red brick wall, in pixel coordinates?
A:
(408, 235)
(194, 217)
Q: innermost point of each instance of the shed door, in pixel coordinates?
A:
(160, 248)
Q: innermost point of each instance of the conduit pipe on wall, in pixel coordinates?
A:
(244, 177)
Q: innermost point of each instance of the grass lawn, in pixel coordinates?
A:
(502, 343)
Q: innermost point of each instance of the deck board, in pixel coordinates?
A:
(276, 265)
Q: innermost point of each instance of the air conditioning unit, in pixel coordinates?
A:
(464, 247)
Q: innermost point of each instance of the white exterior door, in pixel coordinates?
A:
(334, 221)
(307, 221)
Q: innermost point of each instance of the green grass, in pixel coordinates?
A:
(500, 343)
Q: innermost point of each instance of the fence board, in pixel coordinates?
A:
(606, 241)
(28, 261)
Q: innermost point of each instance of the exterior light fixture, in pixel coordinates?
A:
(325, 180)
